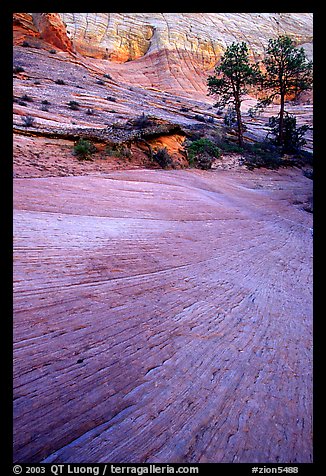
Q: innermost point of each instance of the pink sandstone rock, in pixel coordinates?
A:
(163, 316)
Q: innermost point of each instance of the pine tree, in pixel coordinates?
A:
(231, 80)
(288, 73)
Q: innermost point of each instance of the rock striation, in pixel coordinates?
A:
(169, 51)
(174, 50)
(164, 317)
(52, 29)
(129, 36)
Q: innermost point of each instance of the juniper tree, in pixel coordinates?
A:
(287, 73)
(233, 76)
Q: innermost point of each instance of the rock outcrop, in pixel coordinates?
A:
(129, 36)
(174, 51)
(53, 30)
(168, 51)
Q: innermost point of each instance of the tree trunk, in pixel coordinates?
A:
(281, 123)
(239, 120)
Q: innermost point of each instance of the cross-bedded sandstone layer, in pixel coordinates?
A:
(163, 316)
(173, 52)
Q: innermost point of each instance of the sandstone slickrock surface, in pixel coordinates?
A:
(163, 316)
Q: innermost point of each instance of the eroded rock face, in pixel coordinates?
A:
(128, 36)
(23, 26)
(53, 30)
(173, 52)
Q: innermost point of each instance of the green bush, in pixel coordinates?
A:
(18, 69)
(230, 147)
(203, 145)
(262, 154)
(84, 149)
(74, 105)
(142, 121)
(293, 136)
(163, 158)
(28, 121)
(118, 151)
(202, 152)
(27, 98)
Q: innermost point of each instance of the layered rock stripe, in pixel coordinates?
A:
(167, 51)
(163, 316)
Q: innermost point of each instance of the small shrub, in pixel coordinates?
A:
(28, 121)
(27, 98)
(163, 158)
(84, 149)
(74, 105)
(25, 44)
(46, 102)
(293, 136)
(118, 151)
(252, 112)
(306, 157)
(22, 103)
(37, 82)
(106, 75)
(90, 112)
(262, 154)
(59, 81)
(53, 52)
(184, 109)
(199, 118)
(269, 162)
(204, 161)
(202, 152)
(18, 69)
(230, 147)
(111, 98)
(142, 121)
(309, 173)
(100, 81)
